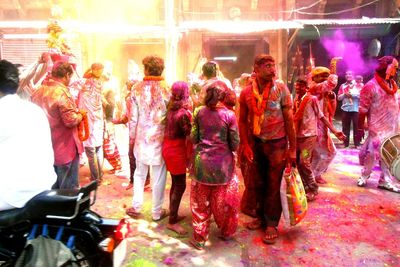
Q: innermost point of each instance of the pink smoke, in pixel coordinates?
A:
(351, 52)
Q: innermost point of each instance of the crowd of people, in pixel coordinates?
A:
(201, 130)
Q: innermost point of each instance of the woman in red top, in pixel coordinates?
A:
(175, 147)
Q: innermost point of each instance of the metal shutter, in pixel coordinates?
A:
(27, 51)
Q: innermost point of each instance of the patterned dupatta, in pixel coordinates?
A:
(259, 104)
(390, 89)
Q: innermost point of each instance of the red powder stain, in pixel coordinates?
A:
(391, 212)
(288, 245)
(258, 241)
(302, 261)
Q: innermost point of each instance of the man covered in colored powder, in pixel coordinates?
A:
(307, 114)
(266, 111)
(90, 98)
(210, 74)
(323, 82)
(349, 94)
(64, 116)
(147, 126)
(379, 102)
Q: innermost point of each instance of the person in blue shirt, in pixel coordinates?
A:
(349, 94)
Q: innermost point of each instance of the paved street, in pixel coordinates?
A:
(345, 226)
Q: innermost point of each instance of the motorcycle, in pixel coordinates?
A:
(63, 215)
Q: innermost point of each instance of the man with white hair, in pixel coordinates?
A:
(379, 102)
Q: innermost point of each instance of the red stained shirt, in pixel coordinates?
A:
(63, 115)
(273, 126)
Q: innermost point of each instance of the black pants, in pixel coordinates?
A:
(270, 159)
(178, 187)
(349, 118)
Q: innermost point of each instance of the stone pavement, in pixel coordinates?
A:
(346, 226)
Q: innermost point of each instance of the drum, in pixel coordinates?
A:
(390, 154)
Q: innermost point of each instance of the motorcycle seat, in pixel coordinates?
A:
(62, 204)
(11, 217)
(54, 203)
(58, 204)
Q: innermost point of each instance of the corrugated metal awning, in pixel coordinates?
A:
(362, 21)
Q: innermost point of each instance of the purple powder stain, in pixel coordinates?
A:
(350, 51)
(168, 261)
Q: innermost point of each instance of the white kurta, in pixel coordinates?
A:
(90, 99)
(147, 114)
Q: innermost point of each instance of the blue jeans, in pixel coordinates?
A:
(95, 159)
(67, 175)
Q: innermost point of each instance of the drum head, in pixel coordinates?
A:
(390, 150)
(395, 169)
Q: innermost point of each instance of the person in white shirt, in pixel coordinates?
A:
(147, 126)
(26, 151)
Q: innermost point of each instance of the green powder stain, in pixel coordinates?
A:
(141, 263)
(305, 153)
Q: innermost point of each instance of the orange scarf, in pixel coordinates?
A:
(83, 128)
(259, 104)
(153, 78)
(300, 111)
(385, 86)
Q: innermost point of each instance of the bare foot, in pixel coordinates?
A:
(177, 228)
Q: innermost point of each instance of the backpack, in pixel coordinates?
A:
(46, 252)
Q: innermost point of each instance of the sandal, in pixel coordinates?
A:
(271, 235)
(320, 180)
(163, 215)
(197, 245)
(389, 186)
(362, 181)
(254, 224)
(129, 186)
(132, 212)
(311, 196)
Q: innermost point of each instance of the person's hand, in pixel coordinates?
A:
(291, 157)
(248, 153)
(129, 85)
(340, 136)
(83, 112)
(348, 95)
(44, 57)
